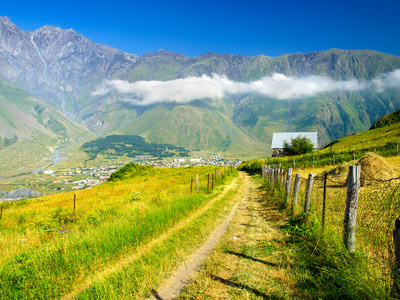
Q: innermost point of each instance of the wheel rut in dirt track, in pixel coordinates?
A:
(125, 261)
(174, 285)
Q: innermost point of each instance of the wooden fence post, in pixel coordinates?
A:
(208, 182)
(288, 182)
(313, 161)
(307, 201)
(333, 159)
(396, 239)
(397, 149)
(294, 164)
(191, 185)
(1, 213)
(197, 182)
(324, 202)
(350, 215)
(296, 191)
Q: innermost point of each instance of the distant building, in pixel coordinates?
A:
(195, 160)
(279, 137)
(143, 157)
(48, 172)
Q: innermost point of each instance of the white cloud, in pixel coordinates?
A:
(215, 87)
(387, 81)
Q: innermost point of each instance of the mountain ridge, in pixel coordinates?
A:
(64, 68)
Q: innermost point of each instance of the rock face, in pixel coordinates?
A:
(55, 64)
(20, 193)
(63, 68)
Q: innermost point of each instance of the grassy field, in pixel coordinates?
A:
(49, 250)
(324, 269)
(382, 141)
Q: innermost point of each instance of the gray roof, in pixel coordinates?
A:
(279, 137)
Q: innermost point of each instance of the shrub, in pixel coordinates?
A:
(298, 145)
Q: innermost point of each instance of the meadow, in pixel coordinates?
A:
(324, 267)
(118, 240)
(383, 141)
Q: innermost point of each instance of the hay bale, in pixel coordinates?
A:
(340, 173)
(375, 168)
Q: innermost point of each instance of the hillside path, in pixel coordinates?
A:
(252, 259)
(174, 285)
(126, 260)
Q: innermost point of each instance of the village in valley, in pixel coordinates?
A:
(87, 177)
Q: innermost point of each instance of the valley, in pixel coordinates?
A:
(144, 176)
(212, 102)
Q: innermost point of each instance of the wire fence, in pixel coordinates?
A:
(377, 210)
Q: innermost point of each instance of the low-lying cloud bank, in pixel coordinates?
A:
(277, 86)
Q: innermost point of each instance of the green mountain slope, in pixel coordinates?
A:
(67, 77)
(384, 140)
(30, 130)
(333, 115)
(195, 127)
(389, 119)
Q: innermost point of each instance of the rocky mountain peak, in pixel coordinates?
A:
(7, 22)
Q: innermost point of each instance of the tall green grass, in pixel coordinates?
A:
(382, 140)
(49, 248)
(324, 268)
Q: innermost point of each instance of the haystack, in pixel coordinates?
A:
(375, 168)
(340, 173)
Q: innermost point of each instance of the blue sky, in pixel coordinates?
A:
(237, 27)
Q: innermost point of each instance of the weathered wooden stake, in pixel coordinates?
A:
(74, 201)
(1, 213)
(276, 176)
(313, 161)
(350, 215)
(197, 182)
(324, 202)
(307, 201)
(396, 239)
(397, 149)
(294, 164)
(288, 182)
(296, 191)
(354, 155)
(333, 159)
(191, 185)
(208, 182)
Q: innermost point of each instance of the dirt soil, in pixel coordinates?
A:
(251, 261)
(125, 261)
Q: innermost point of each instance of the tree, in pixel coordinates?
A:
(298, 145)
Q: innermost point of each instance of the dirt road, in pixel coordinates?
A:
(249, 262)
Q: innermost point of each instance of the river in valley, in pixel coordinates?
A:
(58, 156)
